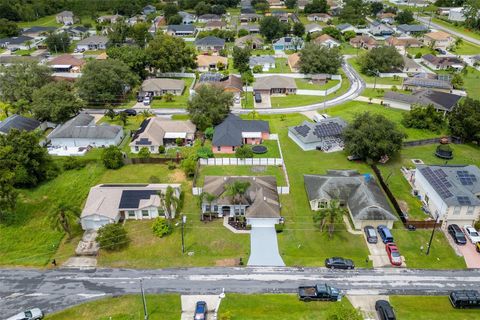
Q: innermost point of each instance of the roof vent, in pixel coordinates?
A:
(264, 198)
(253, 178)
(224, 178)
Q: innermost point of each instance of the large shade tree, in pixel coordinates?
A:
(209, 106)
(272, 28)
(372, 136)
(170, 54)
(464, 120)
(316, 58)
(381, 59)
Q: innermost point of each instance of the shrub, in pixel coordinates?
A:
(144, 153)
(209, 133)
(188, 166)
(161, 227)
(112, 237)
(171, 165)
(154, 179)
(418, 55)
(205, 153)
(161, 149)
(477, 225)
(73, 163)
(112, 157)
(179, 142)
(244, 152)
(257, 69)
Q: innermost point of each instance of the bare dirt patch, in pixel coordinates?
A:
(227, 262)
(177, 176)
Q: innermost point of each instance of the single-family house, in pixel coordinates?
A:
(415, 83)
(411, 66)
(294, 62)
(187, 18)
(149, 9)
(113, 203)
(114, 18)
(93, 43)
(157, 25)
(81, 131)
(438, 40)
(442, 63)
(377, 28)
(288, 43)
(65, 17)
(38, 32)
(136, 19)
(234, 132)
(364, 41)
(259, 202)
(276, 3)
(386, 17)
(411, 29)
(204, 18)
(358, 193)
(402, 43)
(155, 132)
(18, 122)
(181, 30)
(266, 62)
(208, 62)
(313, 27)
(275, 85)
(249, 41)
(77, 32)
(325, 135)
(66, 63)
(249, 17)
(160, 86)
(327, 41)
(232, 84)
(251, 28)
(441, 101)
(451, 192)
(18, 43)
(282, 16)
(212, 25)
(457, 14)
(210, 43)
(320, 17)
(344, 27)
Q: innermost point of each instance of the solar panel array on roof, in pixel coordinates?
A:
(327, 129)
(444, 77)
(211, 77)
(464, 201)
(302, 130)
(466, 178)
(144, 142)
(131, 198)
(437, 181)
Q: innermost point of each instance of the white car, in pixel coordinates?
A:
(472, 234)
(32, 314)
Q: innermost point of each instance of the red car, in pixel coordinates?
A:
(393, 254)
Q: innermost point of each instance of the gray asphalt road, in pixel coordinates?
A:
(54, 290)
(357, 85)
(425, 21)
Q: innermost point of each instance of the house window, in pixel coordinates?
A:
(456, 210)
(219, 148)
(470, 210)
(161, 212)
(233, 148)
(215, 208)
(207, 208)
(322, 204)
(145, 213)
(152, 148)
(136, 148)
(131, 214)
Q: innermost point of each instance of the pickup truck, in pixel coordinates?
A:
(319, 292)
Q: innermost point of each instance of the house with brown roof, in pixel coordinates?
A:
(66, 63)
(155, 132)
(364, 41)
(410, 66)
(319, 17)
(212, 25)
(401, 43)
(250, 41)
(294, 62)
(207, 62)
(161, 86)
(438, 39)
(442, 63)
(65, 17)
(232, 83)
(275, 85)
(327, 41)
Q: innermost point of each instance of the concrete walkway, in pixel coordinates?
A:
(83, 263)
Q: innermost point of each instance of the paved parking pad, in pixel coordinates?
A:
(471, 256)
(189, 302)
(366, 304)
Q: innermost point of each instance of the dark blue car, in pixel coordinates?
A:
(200, 311)
(385, 234)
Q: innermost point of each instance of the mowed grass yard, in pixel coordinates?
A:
(178, 101)
(160, 307)
(275, 171)
(276, 306)
(369, 79)
(428, 308)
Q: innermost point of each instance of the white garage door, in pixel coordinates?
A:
(264, 247)
(95, 224)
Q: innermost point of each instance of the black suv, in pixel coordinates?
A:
(384, 310)
(457, 234)
(339, 263)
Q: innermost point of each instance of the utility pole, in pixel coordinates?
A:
(184, 220)
(145, 312)
(433, 232)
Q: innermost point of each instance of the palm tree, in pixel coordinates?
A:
(63, 217)
(146, 114)
(254, 114)
(236, 191)
(329, 216)
(208, 197)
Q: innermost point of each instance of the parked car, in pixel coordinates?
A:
(258, 97)
(385, 233)
(471, 233)
(339, 263)
(130, 112)
(393, 254)
(385, 310)
(32, 314)
(441, 51)
(370, 234)
(321, 292)
(465, 299)
(140, 98)
(146, 101)
(200, 311)
(457, 234)
(353, 158)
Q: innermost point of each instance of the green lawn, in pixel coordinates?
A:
(275, 171)
(428, 308)
(308, 85)
(460, 29)
(463, 154)
(178, 102)
(441, 254)
(379, 93)
(275, 306)
(47, 21)
(272, 151)
(472, 80)
(348, 49)
(368, 79)
(294, 100)
(160, 307)
(422, 50)
(24, 52)
(467, 48)
(281, 66)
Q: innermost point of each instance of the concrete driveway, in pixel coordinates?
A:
(366, 304)
(471, 256)
(265, 104)
(264, 247)
(378, 254)
(189, 302)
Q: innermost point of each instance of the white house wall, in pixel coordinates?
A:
(435, 202)
(152, 214)
(305, 147)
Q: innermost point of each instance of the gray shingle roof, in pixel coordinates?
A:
(181, 28)
(269, 82)
(452, 182)
(412, 28)
(428, 83)
(18, 122)
(79, 127)
(96, 40)
(261, 60)
(365, 199)
(16, 40)
(229, 132)
(440, 100)
(210, 41)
